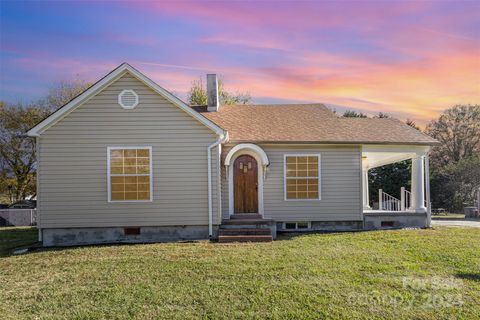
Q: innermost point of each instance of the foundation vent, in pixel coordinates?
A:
(131, 231)
(387, 223)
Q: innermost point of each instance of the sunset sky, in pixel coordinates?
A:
(410, 59)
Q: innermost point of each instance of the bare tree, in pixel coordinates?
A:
(412, 124)
(62, 92)
(197, 95)
(458, 130)
(353, 114)
(17, 151)
(382, 115)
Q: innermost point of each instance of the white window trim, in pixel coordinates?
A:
(109, 148)
(296, 225)
(120, 99)
(285, 175)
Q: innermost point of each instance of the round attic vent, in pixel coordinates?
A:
(128, 99)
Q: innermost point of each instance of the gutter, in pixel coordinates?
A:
(221, 139)
(333, 142)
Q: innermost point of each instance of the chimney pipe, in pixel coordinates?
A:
(212, 93)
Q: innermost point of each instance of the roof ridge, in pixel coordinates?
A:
(274, 105)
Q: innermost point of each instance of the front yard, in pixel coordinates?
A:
(423, 274)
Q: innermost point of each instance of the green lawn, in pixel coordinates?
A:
(405, 274)
(16, 237)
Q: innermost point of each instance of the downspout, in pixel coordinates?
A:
(37, 151)
(219, 183)
(221, 139)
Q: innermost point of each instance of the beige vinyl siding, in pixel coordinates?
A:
(340, 180)
(73, 162)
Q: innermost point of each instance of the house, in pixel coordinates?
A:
(127, 161)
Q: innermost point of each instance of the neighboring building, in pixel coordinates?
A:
(128, 161)
(24, 204)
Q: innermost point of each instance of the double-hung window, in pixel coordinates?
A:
(129, 174)
(302, 177)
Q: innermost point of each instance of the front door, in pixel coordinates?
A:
(245, 178)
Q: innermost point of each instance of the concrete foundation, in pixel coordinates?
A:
(327, 226)
(82, 236)
(397, 220)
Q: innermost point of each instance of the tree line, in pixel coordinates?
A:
(455, 163)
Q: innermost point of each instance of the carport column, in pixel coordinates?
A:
(427, 191)
(366, 200)
(418, 183)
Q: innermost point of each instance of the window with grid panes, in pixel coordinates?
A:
(130, 175)
(302, 177)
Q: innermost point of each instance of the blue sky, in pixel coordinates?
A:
(411, 59)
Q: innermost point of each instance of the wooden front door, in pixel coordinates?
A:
(245, 185)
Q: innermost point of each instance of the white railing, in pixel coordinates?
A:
(405, 199)
(387, 202)
(18, 217)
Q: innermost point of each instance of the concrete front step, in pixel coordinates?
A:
(247, 216)
(247, 230)
(245, 238)
(244, 231)
(249, 222)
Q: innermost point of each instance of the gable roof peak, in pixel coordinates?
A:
(107, 80)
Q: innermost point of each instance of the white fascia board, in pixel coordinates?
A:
(102, 83)
(389, 160)
(395, 148)
(380, 155)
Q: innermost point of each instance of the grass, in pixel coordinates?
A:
(404, 274)
(16, 237)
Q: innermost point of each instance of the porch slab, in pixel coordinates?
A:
(390, 213)
(380, 220)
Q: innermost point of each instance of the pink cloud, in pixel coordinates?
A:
(280, 13)
(393, 57)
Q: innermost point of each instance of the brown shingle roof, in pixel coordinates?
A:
(309, 123)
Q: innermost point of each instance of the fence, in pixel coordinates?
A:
(18, 217)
